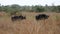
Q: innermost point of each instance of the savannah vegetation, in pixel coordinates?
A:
(30, 25)
(37, 8)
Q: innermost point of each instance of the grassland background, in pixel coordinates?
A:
(30, 25)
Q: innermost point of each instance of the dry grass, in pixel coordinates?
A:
(30, 25)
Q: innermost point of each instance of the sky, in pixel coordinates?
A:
(30, 2)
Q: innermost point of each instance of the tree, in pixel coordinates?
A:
(15, 7)
(58, 8)
(39, 8)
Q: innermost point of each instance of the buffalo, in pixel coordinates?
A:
(41, 16)
(14, 18)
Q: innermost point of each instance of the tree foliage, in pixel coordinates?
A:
(37, 8)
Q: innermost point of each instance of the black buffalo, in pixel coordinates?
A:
(13, 18)
(41, 16)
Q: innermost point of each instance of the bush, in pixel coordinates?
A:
(38, 8)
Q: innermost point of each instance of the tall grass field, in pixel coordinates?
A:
(30, 25)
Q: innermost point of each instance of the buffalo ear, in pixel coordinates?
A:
(48, 16)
